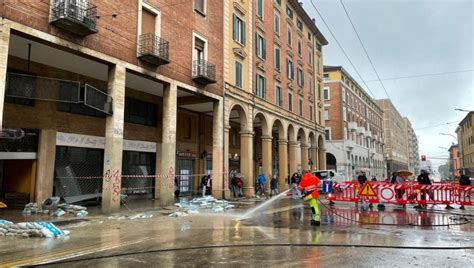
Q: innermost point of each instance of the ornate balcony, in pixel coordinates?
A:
(204, 72)
(153, 49)
(78, 17)
(352, 126)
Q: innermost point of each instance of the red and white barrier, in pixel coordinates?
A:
(406, 193)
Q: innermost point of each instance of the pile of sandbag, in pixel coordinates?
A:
(31, 229)
(56, 210)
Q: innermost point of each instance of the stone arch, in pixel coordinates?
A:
(291, 133)
(302, 135)
(312, 139)
(263, 120)
(280, 128)
(242, 115)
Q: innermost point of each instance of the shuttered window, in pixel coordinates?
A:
(238, 74)
(277, 59)
(239, 30)
(261, 47)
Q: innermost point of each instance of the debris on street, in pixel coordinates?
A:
(178, 214)
(204, 203)
(141, 216)
(31, 229)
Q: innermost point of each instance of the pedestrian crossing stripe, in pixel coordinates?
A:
(367, 190)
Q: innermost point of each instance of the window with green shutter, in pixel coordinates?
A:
(238, 74)
(260, 8)
(239, 30)
(277, 59)
(261, 47)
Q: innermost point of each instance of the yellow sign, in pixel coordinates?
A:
(367, 190)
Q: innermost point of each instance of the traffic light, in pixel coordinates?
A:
(423, 158)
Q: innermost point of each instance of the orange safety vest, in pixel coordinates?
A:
(310, 183)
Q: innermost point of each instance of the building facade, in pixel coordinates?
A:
(412, 148)
(454, 159)
(272, 83)
(104, 98)
(465, 133)
(354, 126)
(396, 141)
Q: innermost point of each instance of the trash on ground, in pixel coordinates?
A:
(178, 214)
(31, 229)
(141, 216)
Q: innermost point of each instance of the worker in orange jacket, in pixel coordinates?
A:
(310, 192)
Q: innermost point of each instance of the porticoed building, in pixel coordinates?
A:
(396, 148)
(104, 98)
(354, 126)
(465, 132)
(412, 147)
(273, 75)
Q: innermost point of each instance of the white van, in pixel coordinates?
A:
(328, 174)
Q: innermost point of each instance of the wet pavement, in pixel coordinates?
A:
(279, 235)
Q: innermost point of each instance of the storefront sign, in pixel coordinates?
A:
(95, 142)
(189, 154)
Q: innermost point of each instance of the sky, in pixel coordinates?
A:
(406, 38)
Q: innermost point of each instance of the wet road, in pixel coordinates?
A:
(278, 236)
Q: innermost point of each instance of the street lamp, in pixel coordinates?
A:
(447, 134)
(463, 110)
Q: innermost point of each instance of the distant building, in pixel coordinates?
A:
(465, 133)
(454, 159)
(354, 126)
(395, 137)
(412, 147)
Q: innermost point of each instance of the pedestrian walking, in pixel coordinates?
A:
(295, 180)
(398, 178)
(273, 185)
(308, 186)
(176, 187)
(204, 181)
(423, 179)
(239, 185)
(463, 181)
(261, 181)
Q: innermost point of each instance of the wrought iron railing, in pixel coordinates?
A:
(150, 44)
(79, 10)
(204, 69)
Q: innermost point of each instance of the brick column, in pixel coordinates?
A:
(4, 46)
(246, 162)
(283, 163)
(168, 147)
(314, 157)
(45, 164)
(322, 158)
(226, 162)
(304, 156)
(292, 157)
(267, 158)
(112, 179)
(219, 181)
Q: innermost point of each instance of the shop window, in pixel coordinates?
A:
(140, 112)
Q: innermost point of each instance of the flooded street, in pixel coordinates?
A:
(277, 235)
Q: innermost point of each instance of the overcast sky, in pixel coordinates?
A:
(405, 38)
